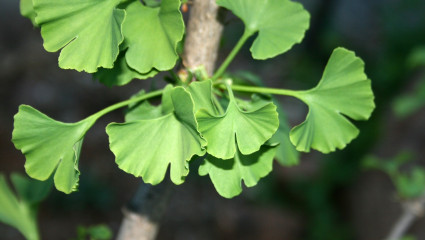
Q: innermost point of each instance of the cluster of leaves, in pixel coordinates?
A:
(409, 185)
(237, 139)
(19, 209)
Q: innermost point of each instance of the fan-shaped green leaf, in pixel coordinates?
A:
(286, 154)
(152, 35)
(280, 24)
(49, 145)
(121, 73)
(246, 129)
(88, 31)
(343, 90)
(226, 175)
(146, 147)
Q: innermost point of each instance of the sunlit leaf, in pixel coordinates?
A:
(246, 129)
(121, 73)
(344, 90)
(50, 145)
(27, 10)
(152, 35)
(89, 32)
(146, 147)
(227, 175)
(280, 24)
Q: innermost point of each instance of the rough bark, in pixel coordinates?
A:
(203, 35)
(143, 214)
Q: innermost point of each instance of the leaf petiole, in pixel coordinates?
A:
(126, 103)
(247, 33)
(275, 91)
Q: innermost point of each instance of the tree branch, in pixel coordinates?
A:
(203, 35)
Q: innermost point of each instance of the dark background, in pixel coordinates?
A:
(324, 197)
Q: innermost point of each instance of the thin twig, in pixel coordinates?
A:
(413, 209)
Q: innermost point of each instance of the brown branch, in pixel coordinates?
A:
(142, 216)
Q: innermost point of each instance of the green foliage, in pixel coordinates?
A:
(279, 23)
(409, 185)
(123, 40)
(343, 89)
(20, 210)
(152, 35)
(97, 232)
(89, 32)
(286, 154)
(49, 146)
(247, 129)
(146, 147)
(226, 175)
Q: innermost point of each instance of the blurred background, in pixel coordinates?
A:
(325, 197)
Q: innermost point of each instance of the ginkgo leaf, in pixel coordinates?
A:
(146, 147)
(89, 32)
(286, 154)
(344, 90)
(246, 129)
(121, 73)
(27, 10)
(152, 35)
(227, 175)
(50, 145)
(202, 95)
(280, 24)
